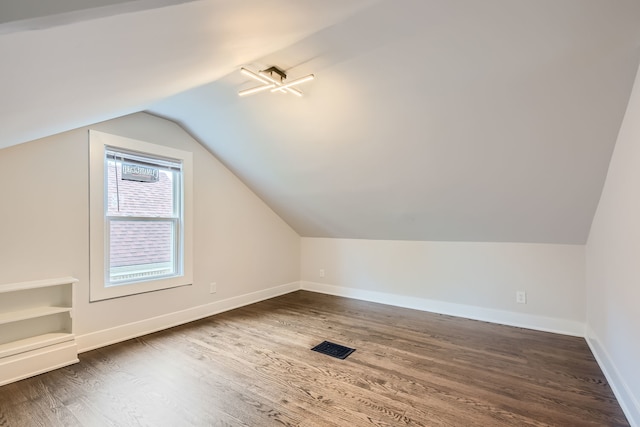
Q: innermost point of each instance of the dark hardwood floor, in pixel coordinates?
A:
(253, 367)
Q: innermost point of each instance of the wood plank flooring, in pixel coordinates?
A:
(253, 367)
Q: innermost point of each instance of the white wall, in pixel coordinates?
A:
(239, 242)
(475, 280)
(613, 267)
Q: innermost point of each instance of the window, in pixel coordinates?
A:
(143, 217)
(140, 216)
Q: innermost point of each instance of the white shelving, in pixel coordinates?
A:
(36, 327)
(31, 313)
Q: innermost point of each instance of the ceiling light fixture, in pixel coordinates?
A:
(255, 89)
(276, 84)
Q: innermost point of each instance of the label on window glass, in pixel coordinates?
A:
(133, 172)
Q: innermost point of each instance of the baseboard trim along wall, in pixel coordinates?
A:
(630, 406)
(540, 323)
(39, 361)
(628, 403)
(106, 337)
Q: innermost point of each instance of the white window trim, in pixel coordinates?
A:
(97, 223)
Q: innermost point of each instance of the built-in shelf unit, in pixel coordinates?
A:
(36, 327)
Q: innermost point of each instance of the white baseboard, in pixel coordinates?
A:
(37, 361)
(528, 321)
(627, 401)
(109, 336)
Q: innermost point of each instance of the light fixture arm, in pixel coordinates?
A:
(295, 82)
(277, 84)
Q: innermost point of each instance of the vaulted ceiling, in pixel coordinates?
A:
(467, 120)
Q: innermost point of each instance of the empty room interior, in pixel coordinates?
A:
(319, 213)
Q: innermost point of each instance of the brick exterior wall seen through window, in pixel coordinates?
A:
(139, 242)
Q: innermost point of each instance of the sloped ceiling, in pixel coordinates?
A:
(463, 120)
(84, 65)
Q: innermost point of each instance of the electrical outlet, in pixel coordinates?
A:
(521, 297)
(321, 272)
(213, 288)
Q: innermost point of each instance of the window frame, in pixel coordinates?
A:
(100, 288)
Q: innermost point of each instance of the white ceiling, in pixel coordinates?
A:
(79, 67)
(467, 120)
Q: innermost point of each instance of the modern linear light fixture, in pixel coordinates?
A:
(273, 78)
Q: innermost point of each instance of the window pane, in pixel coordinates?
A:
(134, 198)
(140, 250)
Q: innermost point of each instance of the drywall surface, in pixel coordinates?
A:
(613, 270)
(476, 280)
(239, 242)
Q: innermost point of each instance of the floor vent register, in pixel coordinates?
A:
(333, 349)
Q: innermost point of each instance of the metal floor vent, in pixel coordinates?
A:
(333, 349)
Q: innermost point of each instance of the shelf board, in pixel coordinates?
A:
(12, 287)
(30, 313)
(32, 343)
